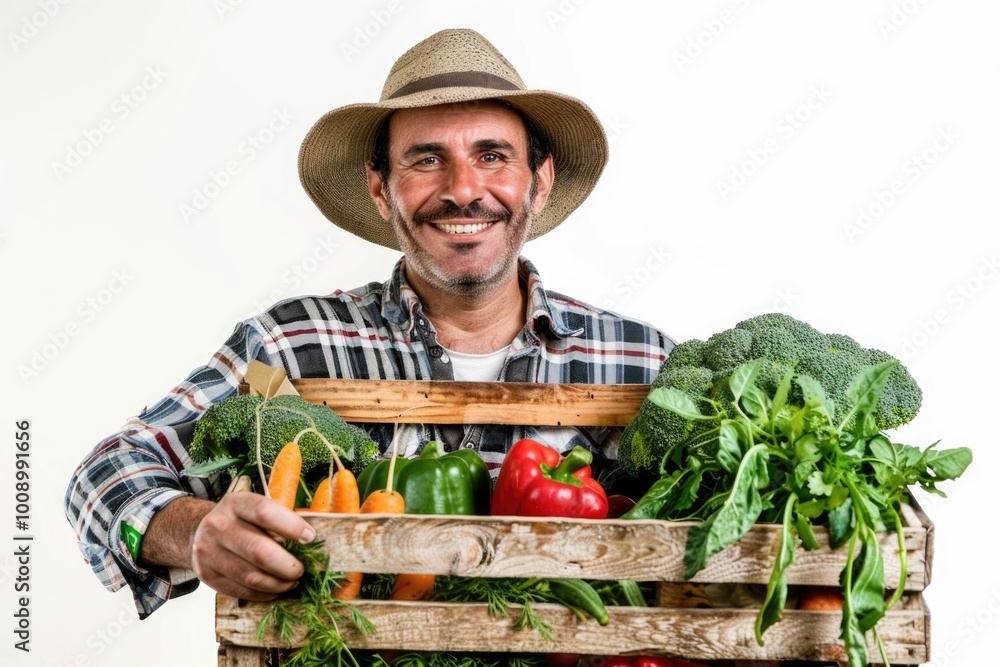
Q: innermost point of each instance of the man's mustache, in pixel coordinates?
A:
(474, 211)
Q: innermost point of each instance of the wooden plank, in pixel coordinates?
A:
(609, 549)
(240, 656)
(441, 402)
(697, 634)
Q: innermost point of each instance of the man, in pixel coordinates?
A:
(458, 166)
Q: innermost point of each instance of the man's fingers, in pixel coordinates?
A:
(234, 550)
(272, 517)
(258, 591)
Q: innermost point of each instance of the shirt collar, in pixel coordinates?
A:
(400, 303)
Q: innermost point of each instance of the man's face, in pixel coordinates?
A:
(460, 193)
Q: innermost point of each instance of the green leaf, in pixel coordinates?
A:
(730, 446)
(818, 486)
(781, 393)
(756, 403)
(804, 528)
(867, 593)
(864, 394)
(949, 463)
(734, 517)
(840, 523)
(663, 494)
(743, 378)
(676, 401)
(777, 586)
(212, 466)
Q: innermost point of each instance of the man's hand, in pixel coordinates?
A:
(229, 544)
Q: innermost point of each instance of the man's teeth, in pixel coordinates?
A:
(464, 229)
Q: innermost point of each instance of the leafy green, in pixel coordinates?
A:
(761, 456)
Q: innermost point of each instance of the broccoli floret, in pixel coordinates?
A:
(366, 452)
(221, 429)
(702, 369)
(229, 429)
(641, 446)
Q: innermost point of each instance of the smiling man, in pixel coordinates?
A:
(458, 166)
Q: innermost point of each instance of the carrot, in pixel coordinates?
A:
(389, 501)
(412, 587)
(284, 483)
(341, 493)
(323, 498)
(383, 501)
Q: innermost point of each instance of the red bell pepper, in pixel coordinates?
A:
(535, 481)
(647, 661)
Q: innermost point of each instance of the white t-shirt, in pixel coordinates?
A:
(477, 367)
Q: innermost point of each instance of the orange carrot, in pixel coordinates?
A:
(383, 501)
(389, 501)
(343, 496)
(323, 498)
(284, 483)
(412, 587)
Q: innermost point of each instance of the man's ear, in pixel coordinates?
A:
(545, 176)
(376, 189)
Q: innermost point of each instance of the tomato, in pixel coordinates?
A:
(824, 598)
(618, 505)
(562, 659)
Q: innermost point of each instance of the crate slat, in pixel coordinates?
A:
(697, 634)
(441, 402)
(610, 549)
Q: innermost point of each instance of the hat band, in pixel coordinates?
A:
(456, 80)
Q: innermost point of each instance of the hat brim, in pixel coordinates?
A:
(336, 149)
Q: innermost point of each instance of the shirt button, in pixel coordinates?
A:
(421, 322)
(435, 351)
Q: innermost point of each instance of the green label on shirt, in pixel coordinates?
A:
(133, 538)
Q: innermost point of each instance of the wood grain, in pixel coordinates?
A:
(697, 634)
(441, 402)
(609, 549)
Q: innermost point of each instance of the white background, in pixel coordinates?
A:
(110, 296)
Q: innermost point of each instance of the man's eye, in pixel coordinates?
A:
(491, 157)
(430, 159)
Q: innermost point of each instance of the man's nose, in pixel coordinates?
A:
(463, 184)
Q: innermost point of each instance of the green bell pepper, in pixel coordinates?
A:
(376, 475)
(445, 483)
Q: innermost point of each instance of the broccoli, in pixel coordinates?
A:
(702, 369)
(228, 429)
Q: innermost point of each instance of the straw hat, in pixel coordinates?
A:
(449, 66)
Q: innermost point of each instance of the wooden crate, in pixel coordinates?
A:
(681, 625)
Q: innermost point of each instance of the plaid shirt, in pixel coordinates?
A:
(378, 331)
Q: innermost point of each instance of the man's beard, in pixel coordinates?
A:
(515, 223)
